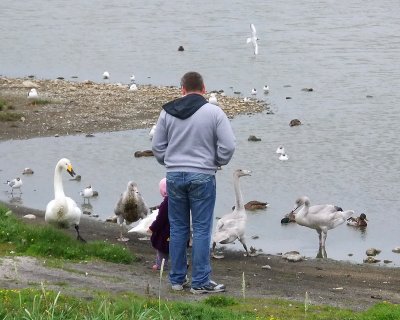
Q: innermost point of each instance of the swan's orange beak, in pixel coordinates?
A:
(70, 170)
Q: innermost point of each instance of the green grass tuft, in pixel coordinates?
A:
(220, 301)
(10, 116)
(45, 241)
(42, 101)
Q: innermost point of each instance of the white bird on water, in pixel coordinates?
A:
(15, 184)
(253, 39)
(254, 91)
(133, 78)
(280, 150)
(63, 211)
(283, 157)
(266, 89)
(319, 217)
(106, 75)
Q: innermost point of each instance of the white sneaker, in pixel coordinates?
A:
(180, 287)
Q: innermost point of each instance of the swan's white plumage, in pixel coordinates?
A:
(143, 226)
(232, 226)
(63, 211)
(319, 217)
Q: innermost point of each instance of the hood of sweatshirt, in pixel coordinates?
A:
(185, 107)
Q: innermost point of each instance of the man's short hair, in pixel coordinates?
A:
(192, 81)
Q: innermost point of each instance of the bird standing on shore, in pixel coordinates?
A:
(15, 184)
(130, 207)
(253, 39)
(63, 211)
(213, 98)
(33, 96)
(87, 193)
(232, 225)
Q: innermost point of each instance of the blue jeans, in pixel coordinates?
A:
(190, 193)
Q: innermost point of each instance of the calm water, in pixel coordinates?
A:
(346, 152)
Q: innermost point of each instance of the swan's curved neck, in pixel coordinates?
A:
(238, 194)
(58, 186)
(304, 210)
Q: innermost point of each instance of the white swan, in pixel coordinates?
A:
(62, 211)
(143, 226)
(87, 193)
(232, 225)
(130, 207)
(319, 217)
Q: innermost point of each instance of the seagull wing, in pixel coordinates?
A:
(253, 30)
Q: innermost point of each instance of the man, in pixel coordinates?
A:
(192, 139)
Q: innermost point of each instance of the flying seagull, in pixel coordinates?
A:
(253, 39)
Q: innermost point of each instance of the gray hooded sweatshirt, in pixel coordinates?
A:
(193, 135)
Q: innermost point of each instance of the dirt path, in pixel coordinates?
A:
(326, 281)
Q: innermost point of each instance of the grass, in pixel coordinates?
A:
(46, 241)
(39, 303)
(6, 114)
(43, 304)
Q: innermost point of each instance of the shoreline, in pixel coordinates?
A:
(66, 107)
(328, 282)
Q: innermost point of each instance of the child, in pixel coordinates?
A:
(160, 229)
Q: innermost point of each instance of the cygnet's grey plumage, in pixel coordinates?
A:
(232, 225)
(319, 217)
(130, 206)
